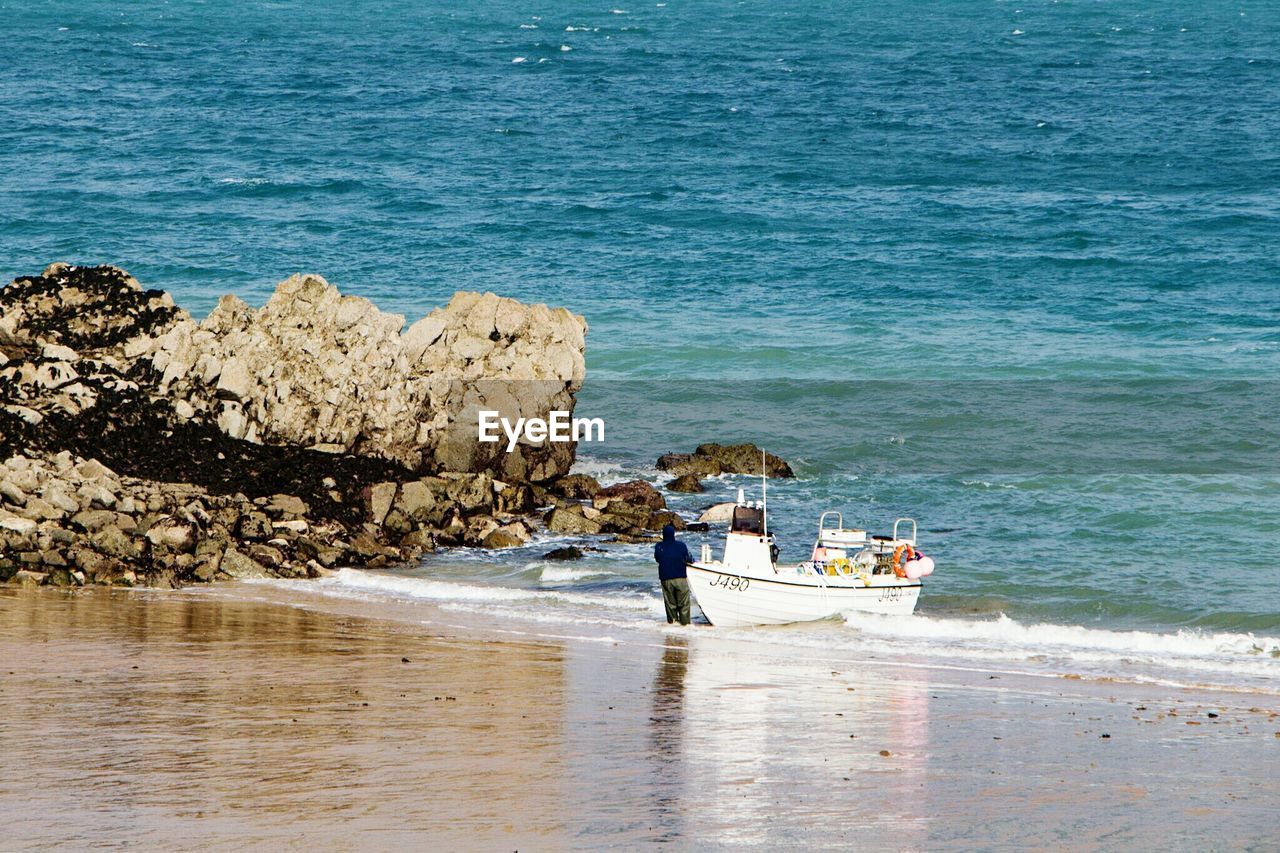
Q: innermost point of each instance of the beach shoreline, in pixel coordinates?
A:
(242, 714)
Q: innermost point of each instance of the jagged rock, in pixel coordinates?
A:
(576, 487)
(255, 526)
(711, 459)
(506, 536)
(686, 483)
(418, 500)
(26, 577)
(718, 513)
(12, 494)
(16, 523)
(569, 552)
(172, 533)
(212, 426)
(409, 398)
(377, 499)
(240, 566)
(571, 520)
(634, 493)
(661, 518)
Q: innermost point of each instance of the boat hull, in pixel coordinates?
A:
(735, 599)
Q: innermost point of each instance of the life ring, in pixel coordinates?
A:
(902, 555)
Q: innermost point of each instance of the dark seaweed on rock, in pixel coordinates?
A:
(87, 308)
(140, 438)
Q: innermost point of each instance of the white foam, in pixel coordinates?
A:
(1185, 647)
(560, 574)
(518, 60)
(450, 591)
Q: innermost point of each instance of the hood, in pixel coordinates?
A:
(669, 533)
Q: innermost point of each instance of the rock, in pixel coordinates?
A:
(114, 542)
(711, 459)
(686, 483)
(697, 527)
(417, 500)
(18, 524)
(662, 518)
(286, 506)
(93, 519)
(571, 520)
(266, 555)
(568, 552)
(12, 494)
(40, 510)
(92, 469)
(634, 492)
(172, 533)
(576, 487)
(26, 577)
(57, 497)
(419, 540)
(683, 464)
(255, 526)
(506, 536)
(240, 566)
(296, 525)
(377, 500)
(718, 513)
(91, 494)
(316, 369)
(234, 383)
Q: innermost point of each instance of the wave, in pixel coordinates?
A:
(1048, 636)
(561, 574)
(358, 580)
(1007, 639)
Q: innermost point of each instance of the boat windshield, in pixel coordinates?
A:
(748, 519)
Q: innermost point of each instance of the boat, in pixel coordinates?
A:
(847, 570)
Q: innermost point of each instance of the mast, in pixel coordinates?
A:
(764, 493)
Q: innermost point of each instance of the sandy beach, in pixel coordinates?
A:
(252, 716)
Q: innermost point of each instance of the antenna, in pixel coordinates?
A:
(764, 493)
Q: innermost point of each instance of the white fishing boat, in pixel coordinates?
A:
(847, 570)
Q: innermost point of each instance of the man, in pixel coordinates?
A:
(672, 556)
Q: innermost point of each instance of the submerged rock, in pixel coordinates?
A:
(569, 552)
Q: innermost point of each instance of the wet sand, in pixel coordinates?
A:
(244, 717)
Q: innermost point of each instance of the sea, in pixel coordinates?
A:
(1007, 268)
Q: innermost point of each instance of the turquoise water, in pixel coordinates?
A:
(1079, 192)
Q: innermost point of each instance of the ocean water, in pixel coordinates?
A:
(805, 224)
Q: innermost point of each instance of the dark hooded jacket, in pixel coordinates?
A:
(672, 555)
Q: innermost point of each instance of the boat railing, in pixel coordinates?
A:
(822, 522)
(912, 538)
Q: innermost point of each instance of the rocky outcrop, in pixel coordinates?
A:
(712, 459)
(318, 369)
(137, 445)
